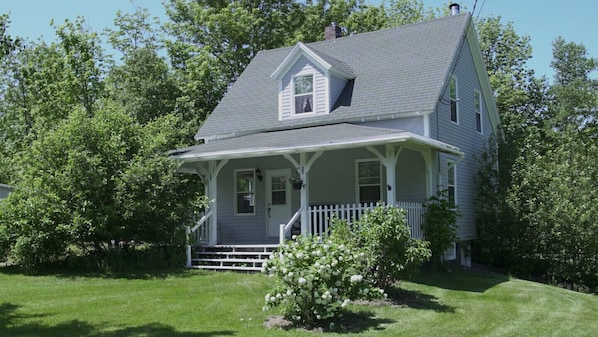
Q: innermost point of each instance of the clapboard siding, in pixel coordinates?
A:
(464, 136)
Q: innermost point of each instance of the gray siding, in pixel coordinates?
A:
(5, 191)
(411, 124)
(465, 136)
(411, 177)
(337, 85)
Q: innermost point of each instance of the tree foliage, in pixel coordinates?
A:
(537, 212)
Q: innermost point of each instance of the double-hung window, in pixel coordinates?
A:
(452, 183)
(454, 99)
(369, 181)
(477, 102)
(244, 192)
(304, 93)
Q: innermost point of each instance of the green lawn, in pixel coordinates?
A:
(200, 304)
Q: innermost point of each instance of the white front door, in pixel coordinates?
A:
(278, 199)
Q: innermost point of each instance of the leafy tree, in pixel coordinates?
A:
(144, 84)
(440, 225)
(92, 180)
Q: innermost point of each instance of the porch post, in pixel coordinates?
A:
(427, 155)
(389, 160)
(303, 173)
(303, 168)
(209, 177)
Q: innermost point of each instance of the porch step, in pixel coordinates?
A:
(248, 258)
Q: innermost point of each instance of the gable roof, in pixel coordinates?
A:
(328, 63)
(399, 71)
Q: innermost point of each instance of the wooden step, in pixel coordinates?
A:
(232, 257)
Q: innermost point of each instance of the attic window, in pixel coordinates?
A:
(304, 93)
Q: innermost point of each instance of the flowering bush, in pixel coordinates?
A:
(315, 280)
(385, 237)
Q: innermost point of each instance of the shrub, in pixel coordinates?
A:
(440, 224)
(315, 280)
(384, 236)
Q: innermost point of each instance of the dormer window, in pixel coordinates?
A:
(304, 93)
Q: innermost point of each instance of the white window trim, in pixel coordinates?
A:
(314, 90)
(357, 185)
(478, 112)
(456, 99)
(237, 192)
(452, 165)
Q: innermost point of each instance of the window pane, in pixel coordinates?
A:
(303, 104)
(369, 181)
(454, 111)
(478, 122)
(245, 203)
(279, 197)
(453, 98)
(244, 189)
(369, 194)
(451, 176)
(245, 181)
(451, 194)
(369, 172)
(278, 193)
(304, 84)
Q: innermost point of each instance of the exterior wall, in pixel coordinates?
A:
(464, 136)
(411, 177)
(5, 191)
(332, 181)
(411, 124)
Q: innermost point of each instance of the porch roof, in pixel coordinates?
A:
(320, 138)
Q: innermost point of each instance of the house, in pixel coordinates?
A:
(393, 115)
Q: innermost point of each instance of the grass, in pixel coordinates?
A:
(190, 303)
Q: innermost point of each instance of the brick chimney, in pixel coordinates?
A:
(332, 32)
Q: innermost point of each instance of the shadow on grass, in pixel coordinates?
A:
(350, 322)
(416, 300)
(459, 279)
(133, 274)
(11, 325)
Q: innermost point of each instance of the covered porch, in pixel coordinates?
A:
(340, 169)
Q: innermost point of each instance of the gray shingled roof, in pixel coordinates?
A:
(397, 71)
(327, 137)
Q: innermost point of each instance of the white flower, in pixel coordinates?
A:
(356, 278)
(301, 280)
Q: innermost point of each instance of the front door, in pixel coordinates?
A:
(278, 206)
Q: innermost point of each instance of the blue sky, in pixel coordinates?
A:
(542, 20)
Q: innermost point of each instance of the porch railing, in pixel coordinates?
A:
(200, 233)
(284, 229)
(320, 216)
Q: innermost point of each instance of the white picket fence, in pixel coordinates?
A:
(320, 216)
